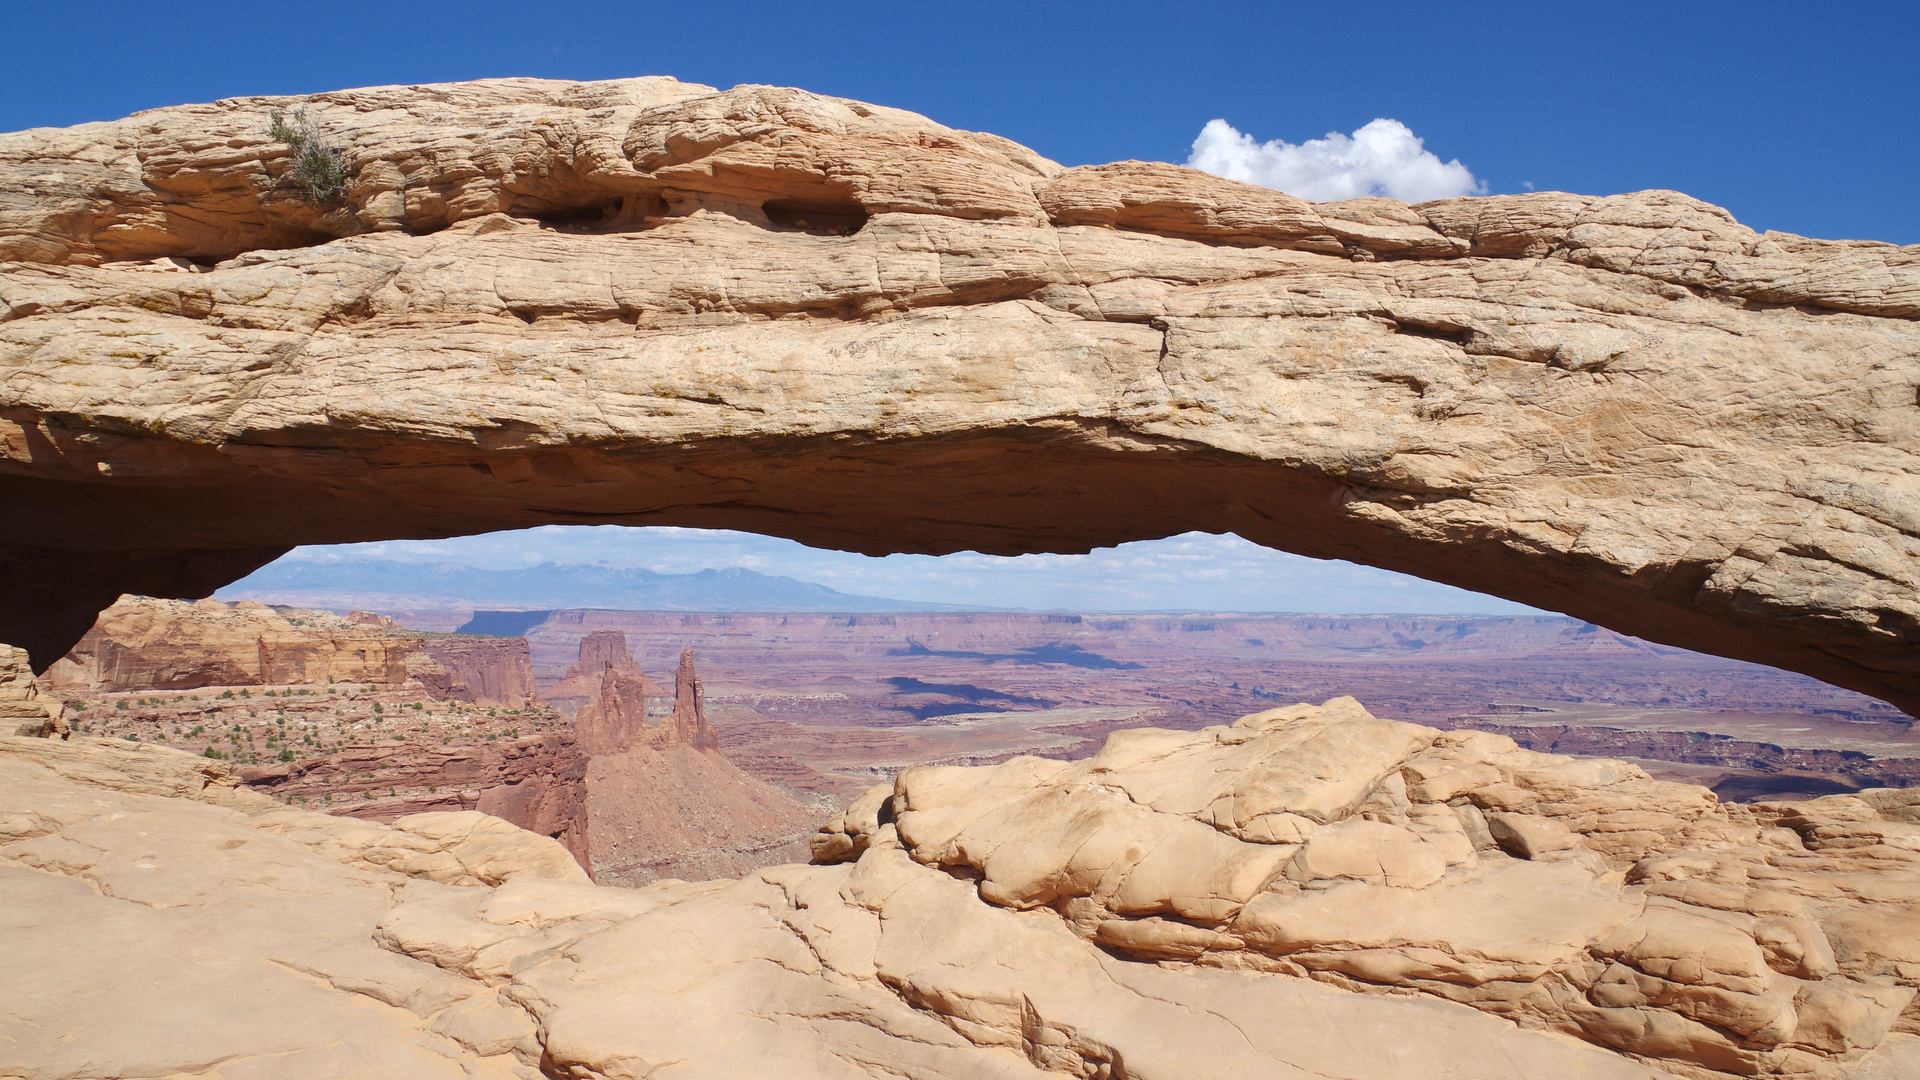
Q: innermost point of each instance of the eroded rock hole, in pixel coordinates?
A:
(1458, 335)
(582, 217)
(619, 212)
(822, 218)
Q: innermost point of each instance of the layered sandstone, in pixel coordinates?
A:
(537, 782)
(649, 302)
(494, 672)
(688, 726)
(145, 643)
(24, 708)
(678, 812)
(634, 801)
(1311, 892)
(1569, 895)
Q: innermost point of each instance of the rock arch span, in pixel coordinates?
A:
(648, 302)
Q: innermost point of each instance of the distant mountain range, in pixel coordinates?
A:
(389, 583)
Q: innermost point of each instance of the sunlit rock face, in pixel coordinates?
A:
(145, 643)
(1574, 895)
(649, 302)
(1309, 892)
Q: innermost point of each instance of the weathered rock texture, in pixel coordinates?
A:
(486, 671)
(537, 782)
(632, 803)
(688, 726)
(648, 302)
(1571, 895)
(24, 709)
(157, 921)
(678, 812)
(144, 643)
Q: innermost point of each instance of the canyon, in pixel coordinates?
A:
(826, 703)
(369, 720)
(651, 302)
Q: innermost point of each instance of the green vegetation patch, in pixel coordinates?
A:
(319, 168)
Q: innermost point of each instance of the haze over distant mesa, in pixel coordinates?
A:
(718, 569)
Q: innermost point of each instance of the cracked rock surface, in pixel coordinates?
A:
(651, 302)
(1311, 892)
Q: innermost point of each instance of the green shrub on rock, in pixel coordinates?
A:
(318, 168)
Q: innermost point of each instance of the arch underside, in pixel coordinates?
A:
(864, 331)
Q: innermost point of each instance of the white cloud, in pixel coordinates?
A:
(1383, 158)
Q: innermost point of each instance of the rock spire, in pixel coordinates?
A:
(614, 717)
(688, 725)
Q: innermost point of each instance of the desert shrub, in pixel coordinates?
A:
(319, 169)
(121, 704)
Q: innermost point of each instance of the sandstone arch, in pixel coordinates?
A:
(607, 302)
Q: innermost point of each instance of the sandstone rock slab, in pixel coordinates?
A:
(649, 302)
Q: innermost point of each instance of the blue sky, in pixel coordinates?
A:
(1801, 117)
(1798, 117)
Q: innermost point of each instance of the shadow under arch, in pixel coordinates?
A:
(1063, 487)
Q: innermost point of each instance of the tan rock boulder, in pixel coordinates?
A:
(1575, 895)
(24, 709)
(648, 302)
(156, 921)
(153, 923)
(852, 831)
